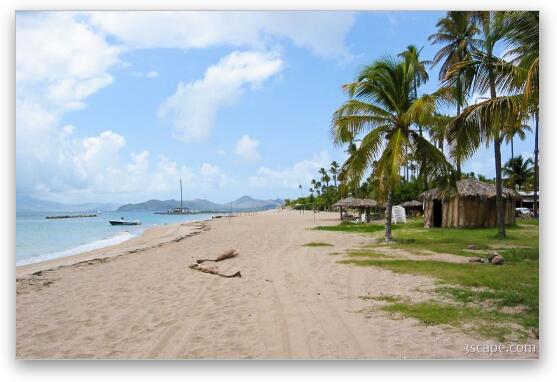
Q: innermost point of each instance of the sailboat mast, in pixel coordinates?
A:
(181, 209)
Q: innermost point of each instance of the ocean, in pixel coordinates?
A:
(39, 239)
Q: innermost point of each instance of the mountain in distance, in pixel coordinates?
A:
(243, 203)
(26, 203)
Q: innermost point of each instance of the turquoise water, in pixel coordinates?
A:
(39, 239)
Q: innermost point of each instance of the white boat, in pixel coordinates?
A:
(124, 222)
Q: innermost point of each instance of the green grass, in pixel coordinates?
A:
(367, 254)
(479, 291)
(317, 244)
(485, 323)
(383, 298)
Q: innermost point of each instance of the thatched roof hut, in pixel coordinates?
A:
(471, 204)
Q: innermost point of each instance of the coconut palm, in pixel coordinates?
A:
(523, 36)
(457, 33)
(518, 129)
(518, 171)
(334, 172)
(325, 178)
(487, 121)
(383, 110)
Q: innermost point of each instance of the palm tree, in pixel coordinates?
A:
(334, 172)
(517, 129)
(523, 35)
(382, 108)
(485, 121)
(418, 73)
(518, 171)
(325, 178)
(457, 33)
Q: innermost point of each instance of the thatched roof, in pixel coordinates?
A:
(351, 202)
(412, 203)
(468, 188)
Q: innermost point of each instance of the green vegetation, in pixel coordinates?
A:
(485, 323)
(317, 244)
(479, 291)
(383, 298)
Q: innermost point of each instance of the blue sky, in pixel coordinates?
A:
(118, 106)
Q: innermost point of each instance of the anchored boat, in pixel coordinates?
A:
(124, 222)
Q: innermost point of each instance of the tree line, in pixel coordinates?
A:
(398, 138)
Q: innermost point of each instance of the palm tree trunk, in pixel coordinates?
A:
(388, 216)
(536, 171)
(458, 169)
(498, 178)
(512, 147)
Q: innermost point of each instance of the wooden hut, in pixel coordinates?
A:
(472, 204)
(360, 204)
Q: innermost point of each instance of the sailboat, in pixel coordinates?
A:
(177, 211)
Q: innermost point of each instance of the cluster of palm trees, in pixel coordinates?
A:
(389, 118)
(324, 191)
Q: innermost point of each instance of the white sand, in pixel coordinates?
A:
(292, 301)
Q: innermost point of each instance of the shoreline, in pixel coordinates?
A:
(138, 242)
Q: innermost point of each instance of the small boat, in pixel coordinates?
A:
(124, 222)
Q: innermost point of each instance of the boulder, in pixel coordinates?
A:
(471, 246)
(497, 260)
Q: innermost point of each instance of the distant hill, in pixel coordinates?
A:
(29, 204)
(243, 203)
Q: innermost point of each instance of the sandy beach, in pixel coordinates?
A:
(139, 299)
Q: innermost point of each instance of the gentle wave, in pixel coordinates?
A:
(97, 244)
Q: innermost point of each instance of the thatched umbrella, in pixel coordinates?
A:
(351, 202)
(411, 204)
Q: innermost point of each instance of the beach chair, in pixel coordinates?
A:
(398, 215)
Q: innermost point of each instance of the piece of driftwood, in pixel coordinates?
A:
(213, 271)
(226, 255)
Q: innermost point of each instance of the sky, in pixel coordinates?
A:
(118, 106)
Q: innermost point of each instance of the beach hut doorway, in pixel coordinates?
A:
(437, 213)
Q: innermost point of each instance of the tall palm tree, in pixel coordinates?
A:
(518, 171)
(418, 73)
(383, 110)
(334, 172)
(486, 121)
(457, 33)
(523, 36)
(518, 129)
(324, 176)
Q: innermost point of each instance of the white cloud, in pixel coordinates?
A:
(62, 58)
(300, 173)
(246, 148)
(323, 33)
(193, 107)
(150, 74)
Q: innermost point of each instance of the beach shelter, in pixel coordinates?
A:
(471, 204)
(413, 206)
(356, 203)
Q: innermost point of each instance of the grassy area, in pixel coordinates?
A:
(317, 244)
(481, 292)
(485, 323)
(362, 228)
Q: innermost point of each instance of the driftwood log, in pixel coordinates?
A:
(213, 271)
(226, 255)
